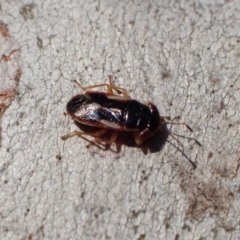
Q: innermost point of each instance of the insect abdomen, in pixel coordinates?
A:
(99, 109)
(140, 116)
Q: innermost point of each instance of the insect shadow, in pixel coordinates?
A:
(153, 144)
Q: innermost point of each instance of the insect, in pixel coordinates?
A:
(108, 111)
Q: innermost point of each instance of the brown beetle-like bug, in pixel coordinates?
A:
(118, 113)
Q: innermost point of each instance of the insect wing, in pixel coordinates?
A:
(97, 109)
(110, 117)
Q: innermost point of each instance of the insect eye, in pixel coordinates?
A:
(75, 103)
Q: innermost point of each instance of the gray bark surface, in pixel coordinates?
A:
(183, 56)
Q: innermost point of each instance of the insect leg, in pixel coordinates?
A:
(91, 87)
(109, 86)
(111, 140)
(166, 117)
(138, 139)
(118, 89)
(105, 144)
(79, 134)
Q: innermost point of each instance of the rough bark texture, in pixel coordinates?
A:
(183, 56)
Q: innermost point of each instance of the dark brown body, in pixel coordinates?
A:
(114, 112)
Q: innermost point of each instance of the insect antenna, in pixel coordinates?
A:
(189, 138)
(170, 133)
(182, 123)
(178, 142)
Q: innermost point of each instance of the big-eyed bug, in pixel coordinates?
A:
(107, 111)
